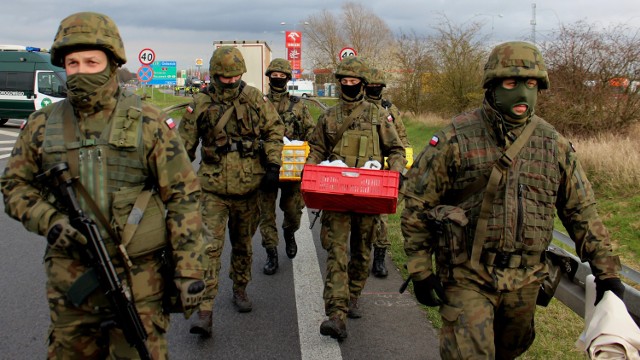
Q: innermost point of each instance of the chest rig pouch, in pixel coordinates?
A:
(112, 168)
(293, 126)
(359, 145)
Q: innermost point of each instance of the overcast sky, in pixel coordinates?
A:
(185, 30)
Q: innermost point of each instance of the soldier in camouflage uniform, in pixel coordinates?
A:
(116, 145)
(298, 125)
(241, 136)
(489, 236)
(373, 93)
(347, 237)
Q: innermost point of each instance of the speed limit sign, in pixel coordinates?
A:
(147, 56)
(347, 52)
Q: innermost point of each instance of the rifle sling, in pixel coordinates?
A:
(499, 168)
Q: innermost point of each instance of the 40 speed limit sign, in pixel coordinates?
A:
(347, 52)
(147, 56)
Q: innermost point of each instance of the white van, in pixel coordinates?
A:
(28, 81)
(302, 88)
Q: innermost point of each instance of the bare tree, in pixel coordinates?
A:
(593, 77)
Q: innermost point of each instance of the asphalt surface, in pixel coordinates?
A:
(284, 323)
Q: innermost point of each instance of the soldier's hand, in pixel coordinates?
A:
(191, 292)
(61, 234)
(271, 178)
(429, 291)
(612, 284)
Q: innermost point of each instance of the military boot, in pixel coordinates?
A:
(202, 324)
(378, 269)
(241, 301)
(272, 262)
(290, 243)
(334, 327)
(354, 310)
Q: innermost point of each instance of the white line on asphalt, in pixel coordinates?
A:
(307, 279)
(4, 156)
(10, 133)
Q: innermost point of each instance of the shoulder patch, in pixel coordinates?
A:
(189, 109)
(264, 98)
(390, 118)
(170, 123)
(434, 140)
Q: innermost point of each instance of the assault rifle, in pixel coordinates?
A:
(119, 296)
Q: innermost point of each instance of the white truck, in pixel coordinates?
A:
(257, 56)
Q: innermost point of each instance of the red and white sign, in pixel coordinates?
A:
(293, 39)
(347, 52)
(147, 56)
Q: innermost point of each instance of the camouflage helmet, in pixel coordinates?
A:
(352, 66)
(516, 59)
(87, 30)
(279, 65)
(375, 76)
(227, 61)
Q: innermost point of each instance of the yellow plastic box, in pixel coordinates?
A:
(409, 154)
(293, 159)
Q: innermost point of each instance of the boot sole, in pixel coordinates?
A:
(200, 331)
(269, 272)
(242, 309)
(338, 335)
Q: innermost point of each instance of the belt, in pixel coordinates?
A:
(510, 260)
(234, 146)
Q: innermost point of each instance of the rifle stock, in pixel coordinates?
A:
(119, 296)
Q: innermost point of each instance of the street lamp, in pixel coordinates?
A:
(493, 17)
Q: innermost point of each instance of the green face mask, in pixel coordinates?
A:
(521, 94)
(86, 84)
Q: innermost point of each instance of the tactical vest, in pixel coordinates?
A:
(524, 207)
(293, 125)
(113, 170)
(357, 146)
(233, 162)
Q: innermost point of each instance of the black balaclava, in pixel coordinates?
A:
(374, 92)
(226, 92)
(278, 84)
(352, 93)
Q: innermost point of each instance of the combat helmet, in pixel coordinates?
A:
(227, 61)
(279, 65)
(516, 59)
(89, 30)
(375, 76)
(352, 66)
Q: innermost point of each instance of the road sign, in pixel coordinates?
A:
(164, 73)
(145, 73)
(347, 52)
(147, 56)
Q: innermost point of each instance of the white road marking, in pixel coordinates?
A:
(308, 282)
(9, 133)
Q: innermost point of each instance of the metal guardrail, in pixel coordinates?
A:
(572, 293)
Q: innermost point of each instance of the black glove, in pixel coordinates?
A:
(613, 284)
(429, 291)
(271, 178)
(62, 235)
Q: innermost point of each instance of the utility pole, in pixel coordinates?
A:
(533, 23)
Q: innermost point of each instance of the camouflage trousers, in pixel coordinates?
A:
(84, 332)
(478, 324)
(291, 204)
(382, 239)
(347, 239)
(241, 215)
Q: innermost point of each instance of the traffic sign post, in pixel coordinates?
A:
(347, 52)
(147, 56)
(145, 73)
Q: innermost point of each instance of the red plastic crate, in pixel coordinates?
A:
(356, 190)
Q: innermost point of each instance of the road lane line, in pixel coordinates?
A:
(9, 133)
(308, 283)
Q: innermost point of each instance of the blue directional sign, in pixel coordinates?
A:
(164, 73)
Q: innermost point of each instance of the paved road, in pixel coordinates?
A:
(284, 323)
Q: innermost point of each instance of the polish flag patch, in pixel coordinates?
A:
(189, 109)
(170, 123)
(390, 118)
(434, 140)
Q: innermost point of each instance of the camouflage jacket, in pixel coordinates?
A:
(393, 112)
(166, 164)
(544, 177)
(254, 138)
(323, 140)
(298, 123)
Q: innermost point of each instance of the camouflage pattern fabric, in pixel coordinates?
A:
(168, 167)
(87, 28)
(545, 175)
(298, 125)
(516, 59)
(227, 61)
(279, 65)
(230, 181)
(241, 215)
(347, 240)
(381, 239)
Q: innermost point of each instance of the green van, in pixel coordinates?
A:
(28, 81)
